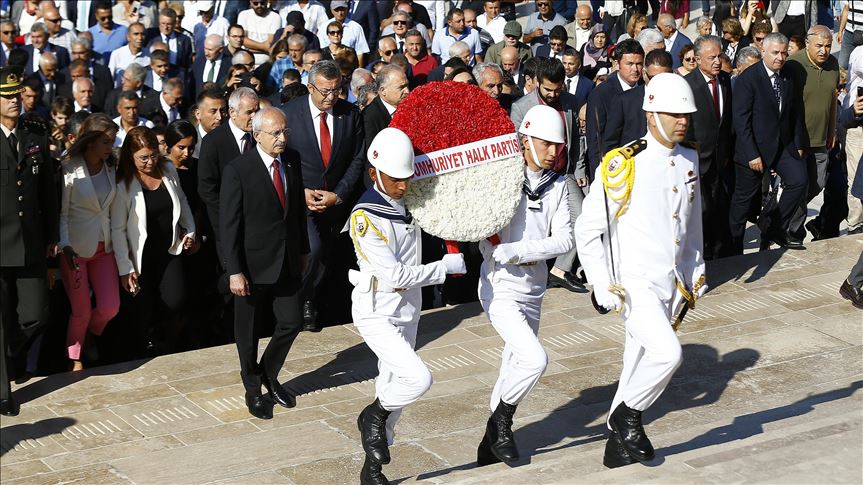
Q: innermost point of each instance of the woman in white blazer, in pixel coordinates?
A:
(87, 264)
(151, 225)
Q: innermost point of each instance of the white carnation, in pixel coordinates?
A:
(468, 205)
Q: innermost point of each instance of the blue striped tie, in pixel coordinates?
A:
(776, 90)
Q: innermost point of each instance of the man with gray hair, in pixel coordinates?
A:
(297, 44)
(392, 84)
(674, 39)
(48, 75)
(771, 134)
(132, 80)
(359, 78)
(747, 56)
(327, 132)
(815, 73)
(461, 50)
(82, 93)
(264, 279)
(38, 45)
(8, 32)
(225, 143)
(650, 39)
(243, 58)
(212, 67)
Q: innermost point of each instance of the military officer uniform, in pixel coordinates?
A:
(387, 299)
(640, 236)
(29, 222)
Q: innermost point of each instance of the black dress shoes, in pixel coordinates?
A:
(626, 424)
(9, 407)
(568, 282)
(278, 393)
(814, 228)
(310, 317)
(258, 406)
(371, 474)
(847, 291)
(615, 454)
(785, 240)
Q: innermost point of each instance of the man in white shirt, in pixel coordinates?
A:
(8, 31)
(579, 29)
(82, 93)
(260, 24)
(127, 106)
(313, 12)
(456, 31)
(491, 21)
(571, 66)
(353, 35)
(129, 53)
(208, 114)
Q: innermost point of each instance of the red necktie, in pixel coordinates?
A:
(715, 98)
(277, 183)
(326, 144)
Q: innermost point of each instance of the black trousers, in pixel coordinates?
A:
(716, 186)
(323, 231)
(24, 312)
(281, 299)
(793, 25)
(747, 186)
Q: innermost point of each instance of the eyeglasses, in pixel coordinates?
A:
(145, 158)
(688, 59)
(326, 93)
(277, 134)
(334, 32)
(400, 22)
(389, 52)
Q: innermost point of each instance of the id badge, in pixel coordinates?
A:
(534, 205)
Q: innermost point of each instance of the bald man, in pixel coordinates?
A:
(212, 66)
(386, 48)
(511, 63)
(579, 29)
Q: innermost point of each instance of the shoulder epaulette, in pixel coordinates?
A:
(618, 173)
(360, 223)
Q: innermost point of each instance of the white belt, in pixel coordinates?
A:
(367, 282)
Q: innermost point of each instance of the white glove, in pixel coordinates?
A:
(606, 299)
(454, 263)
(702, 291)
(504, 254)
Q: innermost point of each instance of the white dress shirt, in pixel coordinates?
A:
(494, 26)
(269, 162)
(238, 135)
(573, 83)
(354, 36)
(171, 41)
(710, 90)
(316, 121)
(669, 42)
(121, 132)
(170, 112)
(209, 66)
(120, 60)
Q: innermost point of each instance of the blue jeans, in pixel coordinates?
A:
(846, 48)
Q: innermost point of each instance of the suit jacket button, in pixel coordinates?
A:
(20, 183)
(20, 198)
(20, 214)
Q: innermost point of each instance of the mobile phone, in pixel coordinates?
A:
(859, 91)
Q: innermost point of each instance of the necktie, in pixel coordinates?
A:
(715, 93)
(172, 115)
(212, 75)
(277, 183)
(776, 90)
(247, 143)
(568, 85)
(350, 10)
(401, 46)
(326, 143)
(13, 142)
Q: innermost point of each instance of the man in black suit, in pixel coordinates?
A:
(160, 70)
(392, 89)
(29, 229)
(179, 46)
(132, 80)
(99, 74)
(629, 55)
(213, 66)
(366, 14)
(626, 121)
(225, 143)
(711, 129)
(769, 127)
(263, 225)
(328, 134)
(167, 106)
(39, 44)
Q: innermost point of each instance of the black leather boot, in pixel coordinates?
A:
(372, 474)
(498, 431)
(484, 456)
(372, 423)
(626, 423)
(615, 454)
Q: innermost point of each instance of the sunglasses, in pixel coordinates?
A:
(102, 19)
(389, 52)
(759, 39)
(334, 32)
(688, 59)
(399, 22)
(8, 32)
(542, 4)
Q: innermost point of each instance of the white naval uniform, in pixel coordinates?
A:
(511, 294)
(656, 242)
(386, 299)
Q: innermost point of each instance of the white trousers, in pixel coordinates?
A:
(523, 359)
(651, 353)
(402, 376)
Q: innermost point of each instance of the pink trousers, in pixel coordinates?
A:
(99, 273)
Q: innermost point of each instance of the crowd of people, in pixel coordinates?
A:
(121, 121)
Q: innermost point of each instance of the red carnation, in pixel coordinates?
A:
(445, 114)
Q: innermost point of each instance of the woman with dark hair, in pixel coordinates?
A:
(180, 140)
(151, 225)
(594, 52)
(461, 75)
(233, 79)
(87, 263)
(687, 60)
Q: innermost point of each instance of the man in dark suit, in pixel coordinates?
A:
(213, 66)
(770, 129)
(629, 56)
(674, 39)
(179, 46)
(160, 70)
(263, 225)
(29, 229)
(328, 134)
(225, 143)
(626, 120)
(557, 39)
(711, 129)
(574, 83)
(132, 80)
(366, 14)
(39, 44)
(392, 89)
(167, 106)
(99, 74)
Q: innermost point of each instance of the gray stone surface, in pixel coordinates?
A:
(769, 392)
